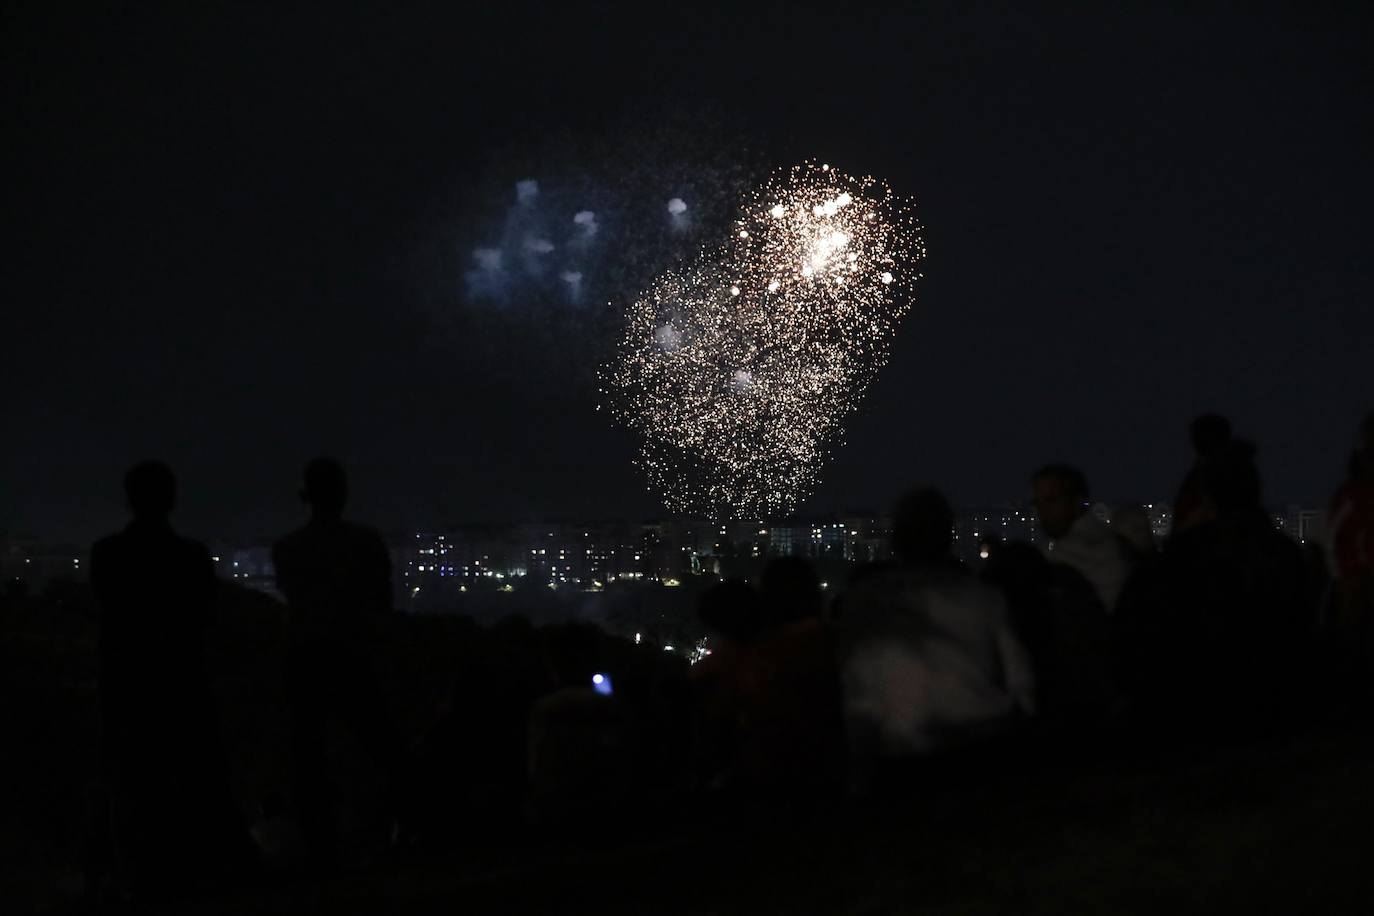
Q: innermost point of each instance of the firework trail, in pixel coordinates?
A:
(737, 370)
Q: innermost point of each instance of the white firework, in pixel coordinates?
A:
(738, 370)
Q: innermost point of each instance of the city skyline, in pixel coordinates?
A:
(653, 549)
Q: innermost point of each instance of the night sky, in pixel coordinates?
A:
(233, 244)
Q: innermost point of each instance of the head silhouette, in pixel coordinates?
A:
(151, 489)
(732, 609)
(325, 488)
(791, 591)
(1209, 433)
(1060, 492)
(1231, 481)
(922, 527)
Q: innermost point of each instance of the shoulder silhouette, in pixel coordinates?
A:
(174, 825)
(335, 574)
(336, 577)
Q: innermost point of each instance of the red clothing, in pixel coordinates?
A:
(1190, 504)
(770, 710)
(1352, 529)
(793, 724)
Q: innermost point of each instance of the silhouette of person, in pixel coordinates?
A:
(1352, 546)
(734, 614)
(1078, 538)
(336, 578)
(930, 660)
(1231, 612)
(794, 739)
(581, 755)
(172, 820)
(791, 591)
(1209, 434)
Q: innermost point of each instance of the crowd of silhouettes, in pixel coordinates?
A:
(1226, 630)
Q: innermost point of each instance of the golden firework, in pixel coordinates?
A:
(737, 370)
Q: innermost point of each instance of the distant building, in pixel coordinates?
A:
(248, 565)
(592, 556)
(585, 555)
(37, 565)
(1008, 522)
(1302, 525)
(788, 538)
(1312, 526)
(867, 538)
(1161, 520)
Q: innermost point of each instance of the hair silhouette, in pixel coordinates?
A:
(336, 577)
(325, 487)
(172, 820)
(151, 489)
(1209, 433)
(791, 590)
(922, 526)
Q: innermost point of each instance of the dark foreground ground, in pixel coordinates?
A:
(1282, 828)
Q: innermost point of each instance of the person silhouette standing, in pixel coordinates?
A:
(173, 822)
(336, 578)
(1210, 434)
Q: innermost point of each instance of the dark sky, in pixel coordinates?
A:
(1132, 216)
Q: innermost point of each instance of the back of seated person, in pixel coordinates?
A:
(581, 756)
(1060, 620)
(792, 737)
(929, 658)
(734, 616)
(1233, 647)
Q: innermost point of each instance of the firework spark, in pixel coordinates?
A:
(736, 371)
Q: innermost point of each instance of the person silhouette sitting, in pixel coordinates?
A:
(1232, 610)
(794, 741)
(929, 660)
(173, 823)
(1078, 538)
(734, 617)
(336, 578)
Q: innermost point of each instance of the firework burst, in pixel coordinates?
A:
(737, 371)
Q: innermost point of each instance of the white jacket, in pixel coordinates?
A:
(930, 659)
(1094, 550)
